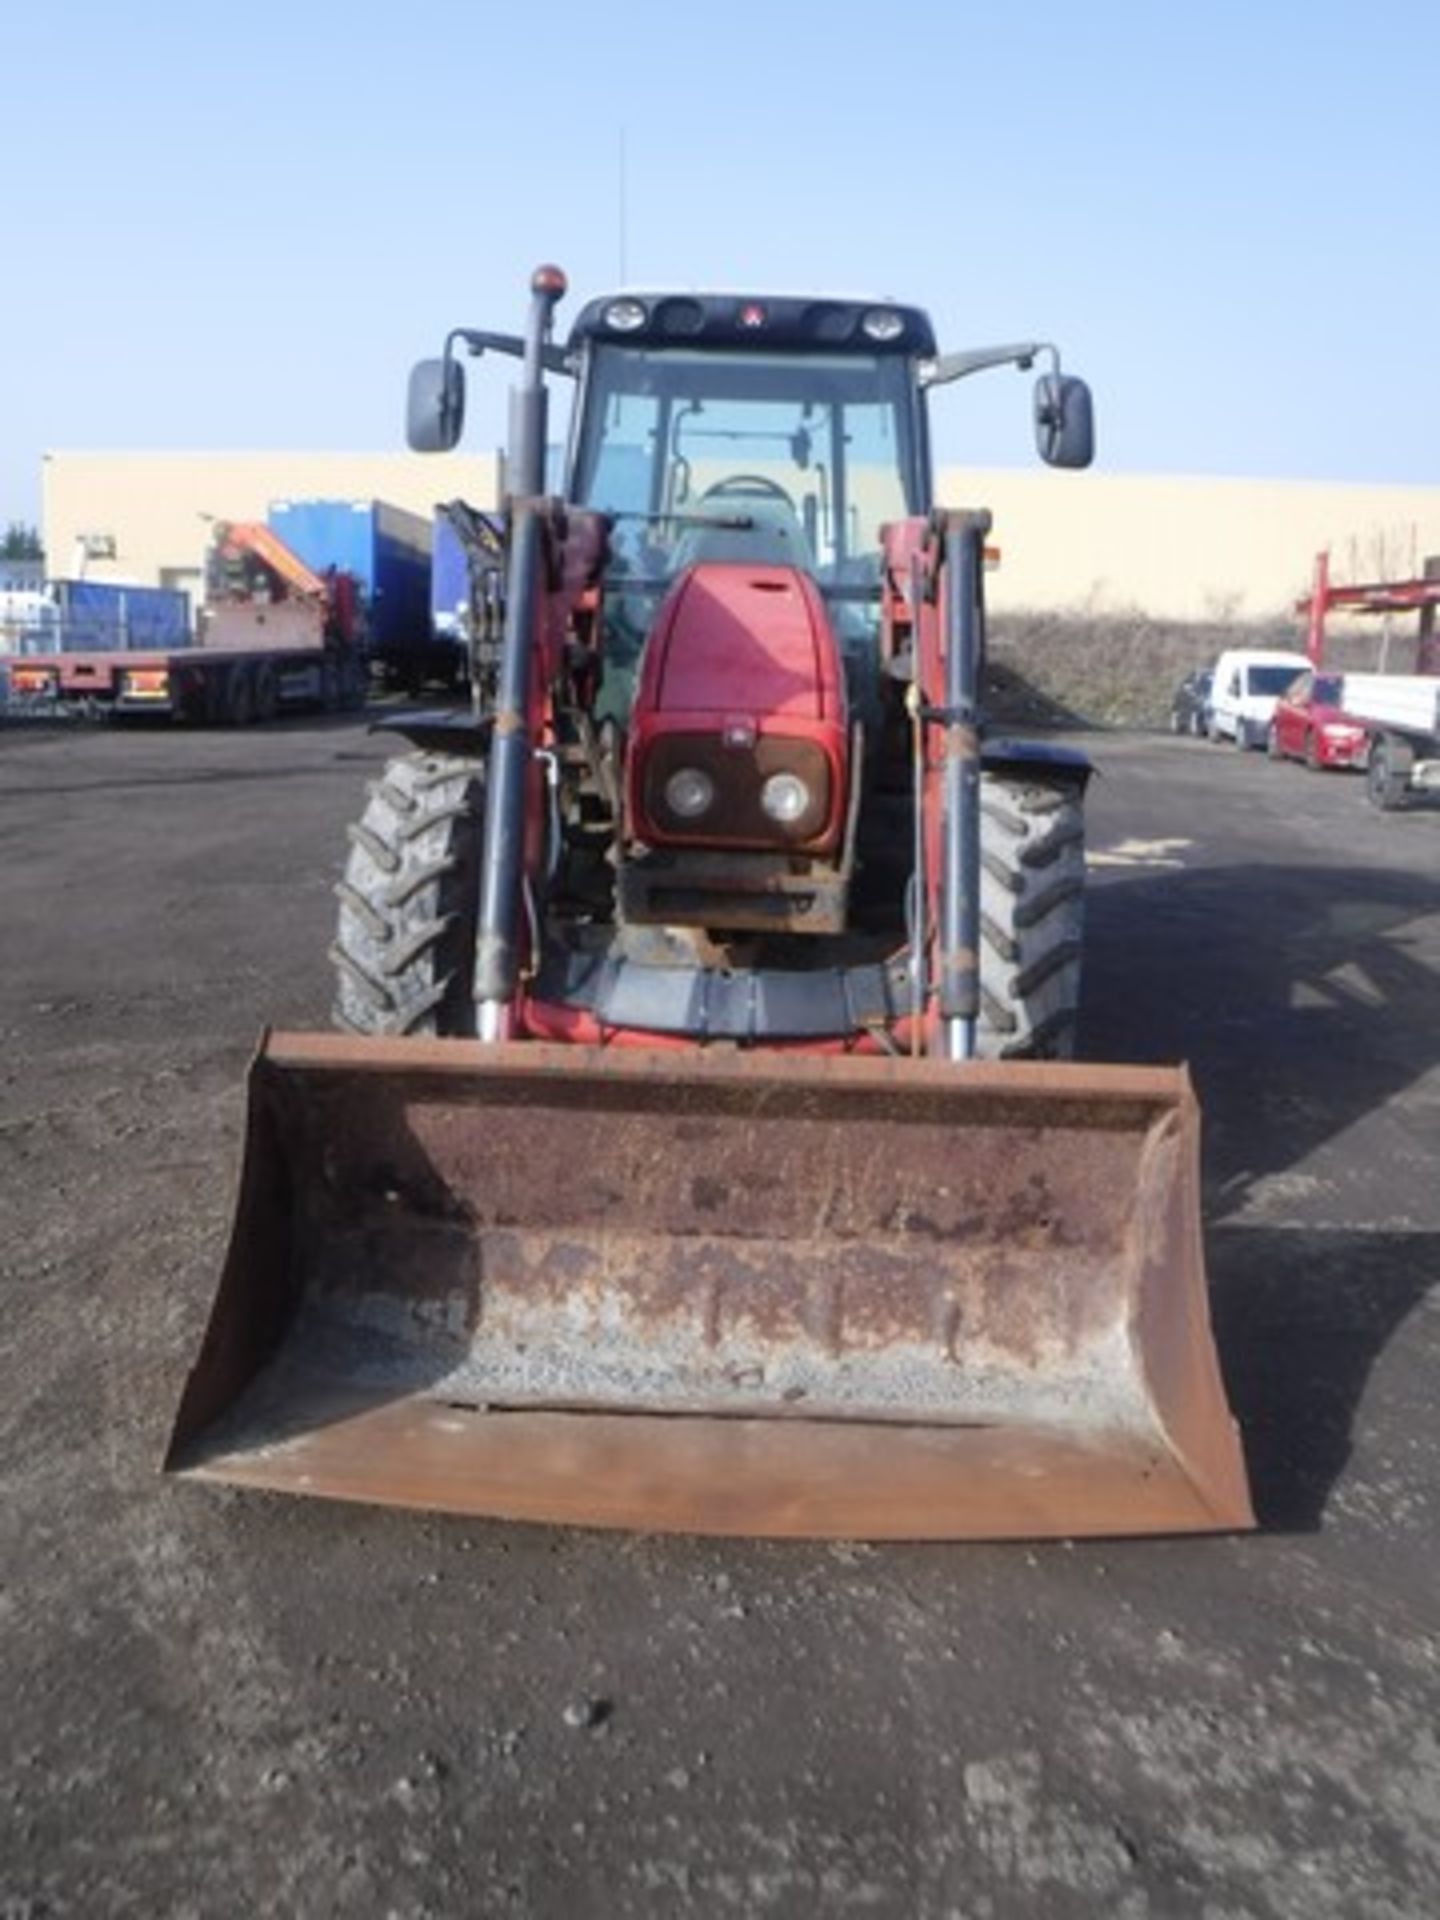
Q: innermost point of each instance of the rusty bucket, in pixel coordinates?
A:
(719, 1292)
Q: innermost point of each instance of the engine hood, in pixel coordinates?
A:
(736, 639)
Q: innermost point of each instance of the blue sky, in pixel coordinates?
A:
(237, 230)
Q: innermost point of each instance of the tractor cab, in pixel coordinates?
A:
(718, 430)
(802, 418)
(724, 428)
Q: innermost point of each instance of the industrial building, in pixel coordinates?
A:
(1170, 547)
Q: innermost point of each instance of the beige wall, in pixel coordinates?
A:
(1185, 548)
(1173, 547)
(157, 506)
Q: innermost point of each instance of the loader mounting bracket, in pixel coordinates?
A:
(749, 1006)
(1043, 756)
(439, 732)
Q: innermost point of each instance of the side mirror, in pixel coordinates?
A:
(435, 406)
(1064, 421)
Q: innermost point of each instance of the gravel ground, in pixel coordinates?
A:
(220, 1703)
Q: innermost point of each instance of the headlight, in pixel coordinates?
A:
(785, 798)
(881, 323)
(625, 316)
(689, 792)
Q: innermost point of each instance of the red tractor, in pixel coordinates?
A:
(728, 692)
(688, 1161)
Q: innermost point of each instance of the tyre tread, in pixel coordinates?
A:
(1031, 916)
(404, 940)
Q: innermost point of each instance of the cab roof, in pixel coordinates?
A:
(767, 323)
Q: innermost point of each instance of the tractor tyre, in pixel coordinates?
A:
(266, 691)
(1032, 888)
(404, 949)
(239, 696)
(354, 686)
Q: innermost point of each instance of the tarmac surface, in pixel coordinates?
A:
(219, 1703)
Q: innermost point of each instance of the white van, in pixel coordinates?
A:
(1248, 681)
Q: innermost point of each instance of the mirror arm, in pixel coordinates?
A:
(555, 358)
(946, 367)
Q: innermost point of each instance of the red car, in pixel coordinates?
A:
(1310, 724)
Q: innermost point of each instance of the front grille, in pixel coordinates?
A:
(738, 773)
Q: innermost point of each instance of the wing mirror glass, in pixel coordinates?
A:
(1064, 421)
(435, 406)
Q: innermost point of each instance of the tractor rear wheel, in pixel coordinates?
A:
(405, 943)
(1032, 886)
(266, 691)
(239, 696)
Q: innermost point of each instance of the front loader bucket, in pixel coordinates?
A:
(719, 1293)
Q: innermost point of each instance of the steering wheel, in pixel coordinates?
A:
(748, 485)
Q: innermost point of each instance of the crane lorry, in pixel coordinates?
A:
(272, 635)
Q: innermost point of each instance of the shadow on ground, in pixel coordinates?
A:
(1300, 1320)
(1305, 1001)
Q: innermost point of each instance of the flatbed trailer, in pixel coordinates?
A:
(272, 637)
(1401, 711)
(194, 686)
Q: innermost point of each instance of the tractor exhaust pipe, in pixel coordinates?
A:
(529, 403)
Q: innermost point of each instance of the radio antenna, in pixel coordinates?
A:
(624, 275)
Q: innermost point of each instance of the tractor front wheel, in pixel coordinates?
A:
(1032, 887)
(405, 943)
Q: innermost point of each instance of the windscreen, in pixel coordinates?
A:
(1270, 680)
(809, 455)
